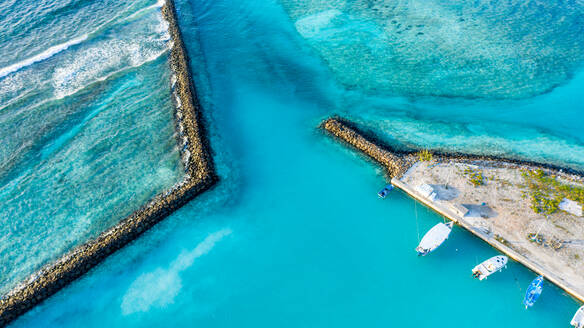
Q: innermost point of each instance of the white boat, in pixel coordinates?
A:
(490, 266)
(434, 238)
(578, 320)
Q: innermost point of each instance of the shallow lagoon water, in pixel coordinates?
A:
(478, 49)
(294, 234)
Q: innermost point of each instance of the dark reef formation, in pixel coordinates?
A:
(199, 176)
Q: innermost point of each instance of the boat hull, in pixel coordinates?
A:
(434, 238)
(578, 320)
(533, 292)
(490, 266)
(385, 191)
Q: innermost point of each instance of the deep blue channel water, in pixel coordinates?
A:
(294, 235)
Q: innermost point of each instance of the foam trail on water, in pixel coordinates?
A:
(63, 46)
(42, 56)
(159, 287)
(62, 92)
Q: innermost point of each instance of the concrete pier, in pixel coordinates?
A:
(529, 263)
(199, 176)
(398, 163)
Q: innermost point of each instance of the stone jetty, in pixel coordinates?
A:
(395, 162)
(398, 161)
(199, 176)
(491, 198)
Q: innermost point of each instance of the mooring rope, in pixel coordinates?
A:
(417, 226)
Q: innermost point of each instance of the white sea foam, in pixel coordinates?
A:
(162, 29)
(158, 288)
(42, 56)
(107, 57)
(157, 5)
(100, 62)
(52, 51)
(62, 93)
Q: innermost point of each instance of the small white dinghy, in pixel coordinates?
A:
(490, 266)
(578, 320)
(434, 238)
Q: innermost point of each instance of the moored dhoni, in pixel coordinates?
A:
(490, 266)
(533, 292)
(434, 238)
(383, 192)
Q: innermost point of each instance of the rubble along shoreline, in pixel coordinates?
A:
(199, 176)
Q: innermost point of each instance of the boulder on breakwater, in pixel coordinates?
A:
(395, 162)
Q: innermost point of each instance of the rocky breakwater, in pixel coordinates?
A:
(199, 176)
(396, 163)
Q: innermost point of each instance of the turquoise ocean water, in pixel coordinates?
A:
(294, 234)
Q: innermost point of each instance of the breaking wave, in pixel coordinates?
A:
(158, 4)
(112, 58)
(97, 57)
(54, 50)
(42, 56)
